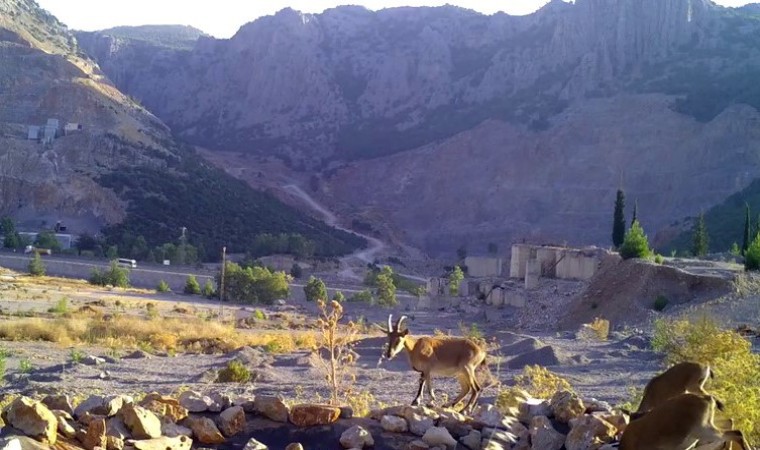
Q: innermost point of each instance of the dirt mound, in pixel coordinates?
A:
(625, 292)
(544, 356)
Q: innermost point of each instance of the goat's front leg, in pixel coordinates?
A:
(429, 388)
(418, 399)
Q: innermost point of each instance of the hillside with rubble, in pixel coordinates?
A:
(75, 149)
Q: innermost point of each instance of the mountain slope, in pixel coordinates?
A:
(75, 177)
(516, 127)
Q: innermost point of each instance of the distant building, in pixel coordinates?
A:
(72, 127)
(33, 133)
(53, 123)
(50, 131)
(483, 266)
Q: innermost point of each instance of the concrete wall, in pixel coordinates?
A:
(555, 262)
(577, 266)
(547, 258)
(481, 266)
(520, 255)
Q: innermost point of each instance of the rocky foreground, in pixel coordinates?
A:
(158, 422)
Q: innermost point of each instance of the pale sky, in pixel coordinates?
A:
(222, 18)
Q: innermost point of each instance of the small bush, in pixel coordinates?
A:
(36, 266)
(660, 302)
(191, 286)
(25, 366)
(364, 296)
(208, 289)
(163, 286)
(339, 297)
(259, 315)
(115, 276)
(635, 244)
(76, 356)
(315, 289)
(736, 367)
(235, 372)
(339, 366)
(659, 259)
(61, 307)
(599, 329)
(538, 382)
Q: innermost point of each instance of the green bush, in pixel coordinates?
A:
(208, 289)
(296, 271)
(364, 296)
(660, 302)
(339, 297)
(253, 284)
(315, 289)
(386, 288)
(635, 244)
(191, 286)
(36, 266)
(235, 372)
(736, 367)
(752, 258)
(115, 276)
(163, 286)
(61, 307)
(658, 259)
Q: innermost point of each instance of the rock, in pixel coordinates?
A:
(246, 402)
(346, 412)
(10, 443)
(65, 428)
(417, 445)
(170, 429)
(115, 427)
(473, 440)
(543, 436)
(594, 405)
(138, 354)
(206, 431)
(502, 437)
(253, 444)
(531, 408)
(92, 360)
(194, 402)
(104, 375)
(32, 418)
(272, 408)
(617, 420)
(520, 347)
(544, 356)
(231, 421)
(566, 406)
(219, 402)
(308, 415)
(457, 428)
(95, 435)
(164, 443)
(93, 405)
(59, 402)
(394, 424)
(142, 423)
(112, 404)
(418, 424)
(166, 407)
(13, 442)
(588, 432)
(439, 436)
(356, 437)
(294, 446)
(114, 443)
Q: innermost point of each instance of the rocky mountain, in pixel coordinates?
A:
(462, 129)
(74, 148)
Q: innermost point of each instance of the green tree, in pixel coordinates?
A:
(117, 276)
(752, 256)
(163, 286)
(11, 238)
(253, 284)
(455, 279)
(618, 221)
(296, 271)
(735, 249)
(47, 239)
(700, 239)
(191, 286)
(635, 244)
(315, 289)
(747, 238)
(36, 266)
(339, 297)
(386, 289)
(139, 249)
(635, 212)
(208, 289)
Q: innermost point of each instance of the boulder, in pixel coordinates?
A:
(439, 436)
(417, 445)
(566, 406)
(394, 424)
(589, 432)
(115, 427)
(272, 408)
(246, 402)
(231, 421)
(59, 402)
(65, 428)
(253, 444)
(356, 437)
(171, 429)
(531, 408)
(309, 415)
(142, 423)
(92, 360)
(95, 436)
(219, 402)
(194, 402)
(503, 437)
(92, 405)
(418, 423)
(457, 428)
(32, 418)
(114, 443)
(473, 441)
(114, 403)
(543, 436)
(544, 356)
(206, 431)
(164, 443)
(166, 407)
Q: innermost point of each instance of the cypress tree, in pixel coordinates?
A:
(747, 236)
(635, 212)
(700, 242)
(618, 224)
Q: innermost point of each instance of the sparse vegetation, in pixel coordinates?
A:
(163, 287)
(455, 279)
(25, 366)
(208, 289)
(259, 315)
(234, 372)
(315, 290)
(364, 296)
(599, 329)
(339, 297)
(191, 286)
(635, 244)
(115, 276)
(61, 307)
(536, 381)
(335, 355)
(736, 367)
(658, 259)
(36, 266)
(76, 356)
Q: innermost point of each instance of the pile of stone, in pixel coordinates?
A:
(160, 422)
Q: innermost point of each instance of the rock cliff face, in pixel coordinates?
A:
(471, 128)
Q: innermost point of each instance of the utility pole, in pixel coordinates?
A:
(221, 283)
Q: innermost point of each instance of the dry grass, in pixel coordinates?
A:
(186, 334)
(599, 329)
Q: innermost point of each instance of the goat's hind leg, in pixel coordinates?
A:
(465, 385)
(475, 388)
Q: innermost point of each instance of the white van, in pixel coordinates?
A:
(124, 262)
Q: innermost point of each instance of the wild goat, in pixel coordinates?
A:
(681, 378)
(449, 356)
(678, 424)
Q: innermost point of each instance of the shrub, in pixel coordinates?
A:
(259, 315)
(25, 366)
(337, 360)
(658, 259)
(455, 279)
(163, 286)
(191, 286)
(386, 288)
(752, 257)
(538, 382)
(660, 302)
(61, 307)
(315, 289)
(36, 266)
(599, 329)
(208, 289)
(635, 244)
(737, 369)
(235, 372)
(253, 284)
(339, 297)
(115, 276)
(76, 356)
(296, 271)
(364, 296)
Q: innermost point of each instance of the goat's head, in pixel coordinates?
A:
(396, 336)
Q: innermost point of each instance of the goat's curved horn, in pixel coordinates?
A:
(390, 322)
(398, 324)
